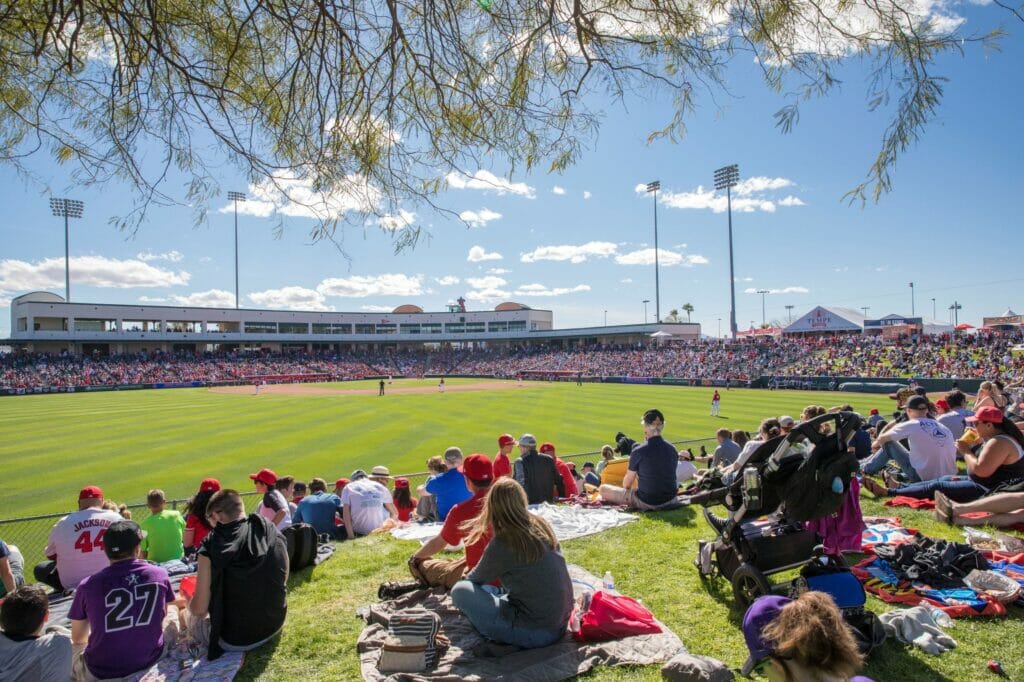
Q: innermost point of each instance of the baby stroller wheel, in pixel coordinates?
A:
(748, 584)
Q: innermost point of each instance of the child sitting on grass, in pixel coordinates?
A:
(404, 501)
(164, 529)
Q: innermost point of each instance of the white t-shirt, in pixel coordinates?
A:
(685, 471)
(932, 447)
(77, 540)
(273, 500)
(366, 499)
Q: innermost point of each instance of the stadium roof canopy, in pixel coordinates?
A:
(827, 319)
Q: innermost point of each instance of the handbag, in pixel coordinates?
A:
(613, 616)
(413, 640)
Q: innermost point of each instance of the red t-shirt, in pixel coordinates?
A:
(200, 531)
(570, 483)
(453, 534)
(501, 466)
(405, 513)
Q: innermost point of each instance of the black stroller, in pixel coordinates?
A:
(789, 486)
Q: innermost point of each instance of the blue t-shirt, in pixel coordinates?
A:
(655, 465)
(449, 488)
(318, 510)
(861, 443)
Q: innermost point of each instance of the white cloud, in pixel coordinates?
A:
(478, 253)
(295, 197)
(488, 288)
(744, 279)
(397, 222)
(587, 194)
(487, 295)
(558, 190)
(790, 200)
(205, 259)
(626, 280)
(447, 280)
(361, 286)
(541, 290)
(749, 195)
(665, 258)
(759, 184)
(289, 298)
(574, 253)
(212, 298)
(377, 308)
(488, 181)
(152, 299)
(94, 271)
(170, 256)
(498, 271)
(479, 218)
(488, 282)
(786, 290)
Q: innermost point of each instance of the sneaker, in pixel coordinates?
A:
(395, 589)
(891, 479)
(717, 522)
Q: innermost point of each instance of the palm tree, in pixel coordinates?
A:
(688, 308)
(673, 316)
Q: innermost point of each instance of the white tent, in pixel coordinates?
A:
(827, 319)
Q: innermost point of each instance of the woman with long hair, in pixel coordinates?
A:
(405, 503)
(607, 455)
(989, 395)
(197, 526)
(533, 606)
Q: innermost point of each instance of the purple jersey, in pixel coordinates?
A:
(125, 605)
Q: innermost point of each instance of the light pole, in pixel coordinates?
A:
(789, 310)
(912, 299)
(654, 186)
(726, 178)
(67, 208)
(763, 292)
(645, 302)
(236, 197)
(956, 313)
(866, 309)
(933, 309)
(606, 318)
(719, 327)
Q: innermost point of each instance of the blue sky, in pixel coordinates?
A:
(579, 243)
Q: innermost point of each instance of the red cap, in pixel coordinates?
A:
(90, 492)
(209, 485)
(941, 404)
(265, 476)
(874, 410)
(505, 439)
(341, 482)
(401, 482)
(477, 468)
(990, 414)
(547, 447)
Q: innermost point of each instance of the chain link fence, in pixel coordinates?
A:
(30, 533)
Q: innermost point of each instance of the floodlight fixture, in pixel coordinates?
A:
(67, 208)
(726, 178)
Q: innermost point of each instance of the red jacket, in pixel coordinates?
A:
(570, 483)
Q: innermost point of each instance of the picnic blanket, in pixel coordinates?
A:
(885, 531)
(563, 660)
(182, 664)
(568, 522)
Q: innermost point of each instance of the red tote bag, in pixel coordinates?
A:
(613, 616)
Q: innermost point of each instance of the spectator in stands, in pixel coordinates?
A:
(197, 526)
(502, 464)
(590, 476)
(286, 486)
(770, 428)
(339, 485)
(652, 465)
(405, 503)
(989, 395)
(274, 506)
(26, 654)
(932, 451)
(299, 492)
(537, 473)
(805, 638)
(426, 508)
(568, 480)
(860, 444)
(366, 504)
(12, 569)
(449, 488)
(607, 455)
(445, 573)
(874, 418)
(786, 424)
(121, 615)
(320, 510)
(75, 542)
(685, 468)
(164, 530)
(533, 606)
(740, 437)
(240, 597)
(958, 412)
(727, 450)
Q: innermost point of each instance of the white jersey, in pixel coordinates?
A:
(366, 499)
(77, 541)
(932, 450)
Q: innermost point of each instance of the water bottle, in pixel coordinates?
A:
(752, 488)
(608, 582)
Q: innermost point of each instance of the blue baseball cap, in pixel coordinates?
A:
(763, 611)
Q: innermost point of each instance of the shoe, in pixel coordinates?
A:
(891, 480)
(395, 589)
(717, 522)
(874, 487)
(943, 508)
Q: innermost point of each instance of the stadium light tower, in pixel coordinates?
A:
(654, 186)
(912, 299)
(645, 302)
(236, 197)
(67, 208)
(726, 178)
(789, 310)
(764, 293)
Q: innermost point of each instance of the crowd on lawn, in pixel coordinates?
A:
(511, 582)
(963, 356)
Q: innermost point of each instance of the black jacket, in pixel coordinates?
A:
(538, 476)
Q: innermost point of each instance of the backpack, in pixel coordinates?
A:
(830, 575)
(613, 616)
(811, 492)
(302, 542)
(413, 641)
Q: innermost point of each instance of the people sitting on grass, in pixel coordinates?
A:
(564, 471)
(533, 605)
(197, 526)
(726, 451)
(12, 568)
(366, 503)
(502, 463)
(537, 473)
(932, 452)
(989, 395)
(1002, 510)
(607, 455)
(286, 486)
(405, 503)
(449, 488)
(339, 485)
(1001, 460)
(164, 530)
(800, 640)
(299, 492)
(770, 428)
(426, 508)
(954, 418)
(122, 618)
(590, 475)
(652, 466)
(26, 653)
(75, 546)
(432, 572)
(321, 510)
(240, 599)
(273, 507)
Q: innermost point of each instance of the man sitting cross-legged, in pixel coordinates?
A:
(120, 616)
(446, 572)
(321, 510)
(25, 652)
